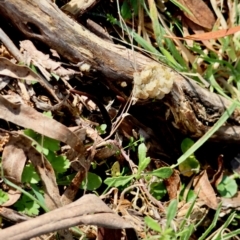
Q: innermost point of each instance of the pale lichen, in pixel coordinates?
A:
(154, 81)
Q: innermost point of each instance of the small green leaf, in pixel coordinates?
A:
(151, 223)
(102, 128)
(3, 197)
(190, 166)
(127, 7)
(171, 212)
(143, 160)
(164, 172)
(118, 181)
(142, 152)
(43, 144)
(186, 144)
(158, 190)
(29, 175)
(93, 182)
(115, 169)
(227, 187)
(27, 206)
(48, 114)
(60, 163)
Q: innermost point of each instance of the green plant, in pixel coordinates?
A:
(182, 230)
(160, 173)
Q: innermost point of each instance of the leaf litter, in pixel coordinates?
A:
(132, 203)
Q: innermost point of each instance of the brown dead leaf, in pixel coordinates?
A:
(71, 191)
(233, 202)
(210, 35)
(43, 61)
(15, 153)
(198, 211)
(88, 210)
(217, 178)
(201, 14)
(204, 190)
(173, 184)
(7, 68)
(27, 117)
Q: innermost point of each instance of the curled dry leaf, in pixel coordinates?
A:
(173, 184)
(89, 210)
(200, 13)
(204, 190)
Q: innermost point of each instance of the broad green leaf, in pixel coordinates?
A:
(3, 197)
(227, 187)
(118, 181)
(151, 223)
(127, 7)
(186, 144)
(27, 206)
(60, 163)
(29, 175)
(43, 144)
(93, 182)
(164, 172)
(190, 166)
(158, 190)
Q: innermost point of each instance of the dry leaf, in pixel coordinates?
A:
(217, 178)
(7, 68)
(173, 184)
(233, 202)
(201, 14)
(43, 61)
(210, 35)
(27, 117)
(204, 190)
(71, 191)
(15, 153)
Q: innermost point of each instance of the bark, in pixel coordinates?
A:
(194, 109)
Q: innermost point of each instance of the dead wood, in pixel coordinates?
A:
(194, 109)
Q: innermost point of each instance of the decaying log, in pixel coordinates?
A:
(194, 109)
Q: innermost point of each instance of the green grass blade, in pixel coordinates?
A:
(213, 224)
(25, 193)
(208, 134)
